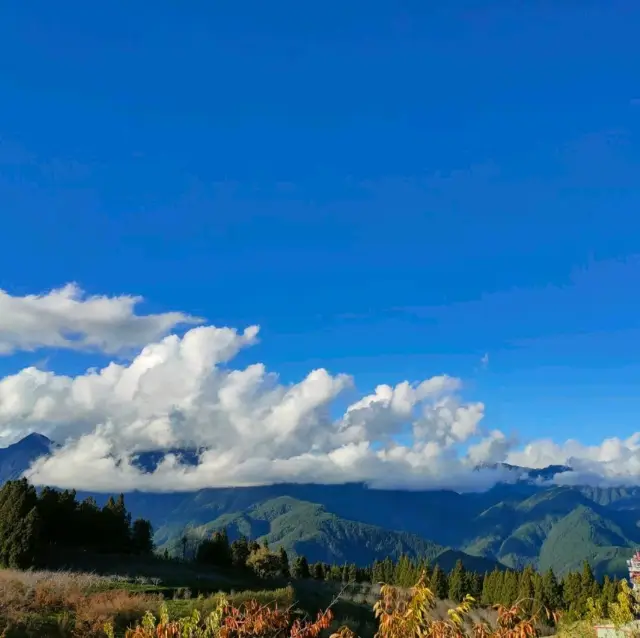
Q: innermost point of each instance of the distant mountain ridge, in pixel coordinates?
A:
(527, 473)
(16, 459)
(526, 521)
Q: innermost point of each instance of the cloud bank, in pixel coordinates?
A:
(65, 318)
(183, 392)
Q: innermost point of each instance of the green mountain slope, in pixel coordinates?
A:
(586, 535)
(515, 524)
(307, 528)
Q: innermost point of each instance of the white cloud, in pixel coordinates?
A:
(65, 318)
(613, 462)
(183, 392)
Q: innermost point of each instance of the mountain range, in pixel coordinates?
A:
(526, 521)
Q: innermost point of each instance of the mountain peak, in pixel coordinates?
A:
(33, 440)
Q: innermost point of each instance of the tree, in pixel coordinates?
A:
(492, 587)
(254, 546)
(142, 537)
(19, 525)
(300, 568)
(572, 593)
(215, 551)
(284, 563)
(439, 585)
(318, 571)
(509, 590)
(264, 563)
(552, 594)
(526, 590)
(240, 552)
(116, 525)
(457, 582)
(608, 595)
(588, 585)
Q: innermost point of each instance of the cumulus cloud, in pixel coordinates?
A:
(614, 462)
(66, 318)
(249, 428)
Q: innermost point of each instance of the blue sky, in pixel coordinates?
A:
(389, 189)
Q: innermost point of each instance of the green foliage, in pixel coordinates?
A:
(215, 551)
(457, 583)
(31, 524)
(19, 524)
(240, 552)
(265, 564)
(300, 568)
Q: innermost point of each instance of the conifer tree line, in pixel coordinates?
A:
(532, 590)
(33, 523)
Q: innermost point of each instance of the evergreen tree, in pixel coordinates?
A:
(526, 590)
(377, 575)
(588, 585)
(300, 568)
(457, 582)
(333, 572)
(509, 590)
(492, 587)
(215, 550)
(284, 563)
(608, 595)
(19, 525)
(318, 571)
(240, 552)
(439, 584)
(474, 583)
(116, 522)
(142, 537)
(539, 604)
(387, 570)
(552, 592)
(572, 593)
(352, 574)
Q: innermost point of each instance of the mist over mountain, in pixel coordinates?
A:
(525, 520)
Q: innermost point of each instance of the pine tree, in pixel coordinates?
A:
(19, 525)
(538, 607)
(284, 563)
(142, 537)
(387, 570)
(608, 595)
(552, 592)
(457, 582)
(509, 590)
(240, 552)
(474, 585)
(377, 575)
(526, 590)
(318, 571)
(572, 593)
(588, 586)
(491, 588)
(439, 584)
(116, 523)
(300, 568)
